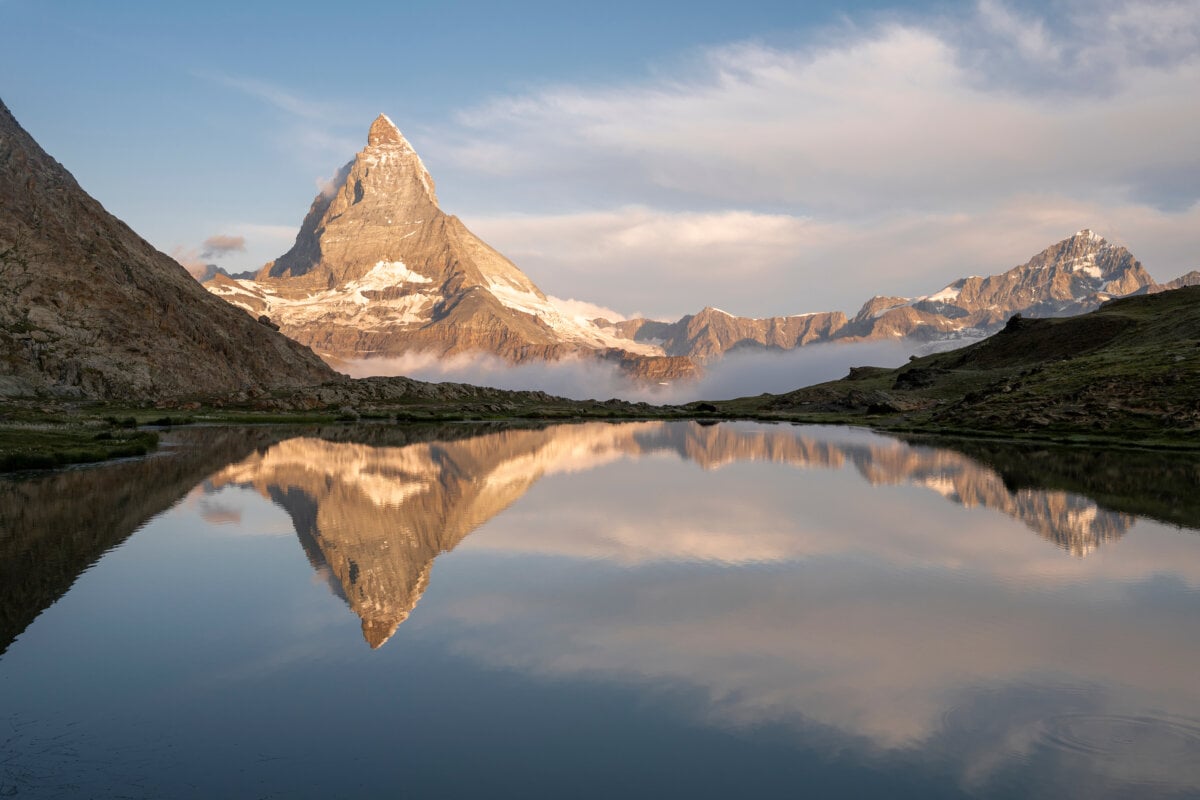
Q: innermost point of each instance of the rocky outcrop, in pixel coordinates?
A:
(88, 308)
(379, 270)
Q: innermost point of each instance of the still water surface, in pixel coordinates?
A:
(645, 610)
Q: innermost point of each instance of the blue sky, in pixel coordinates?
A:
(768, 158)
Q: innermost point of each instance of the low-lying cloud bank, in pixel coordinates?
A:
(737, 375)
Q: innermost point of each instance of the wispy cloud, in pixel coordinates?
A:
(279, 97)
(901, 116)
(222, 244)
(190, 259)
(316, 130)
(737, 375)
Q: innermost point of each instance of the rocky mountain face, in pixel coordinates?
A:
(1071, 277)
(1190, 279)
(379, 270)
(89, 309)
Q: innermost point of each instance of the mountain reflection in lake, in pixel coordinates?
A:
(645, 609)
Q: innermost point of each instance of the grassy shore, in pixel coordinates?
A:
(33, 446)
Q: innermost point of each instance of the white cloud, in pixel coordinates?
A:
(889, 159)
(900, 116)
(738, 374)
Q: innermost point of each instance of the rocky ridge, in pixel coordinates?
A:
(379, 270)
(90, 309)
(1071, 277)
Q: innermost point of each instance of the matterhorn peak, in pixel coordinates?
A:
(384, 131)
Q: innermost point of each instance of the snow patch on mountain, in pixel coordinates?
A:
(572, 328)
(947, 295)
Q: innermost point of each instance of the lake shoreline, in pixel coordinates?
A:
(48, 438)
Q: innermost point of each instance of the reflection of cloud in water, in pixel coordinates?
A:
(217, 514)
(882, 611)
(898, 657)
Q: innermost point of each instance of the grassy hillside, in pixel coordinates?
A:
(1130, 369)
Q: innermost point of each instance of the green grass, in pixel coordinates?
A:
(1129, 371)
(24, 448)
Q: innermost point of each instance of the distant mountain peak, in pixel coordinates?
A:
(379, 270)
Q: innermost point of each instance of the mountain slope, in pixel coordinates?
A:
(1130, 368)
(379, 270)
(89, 308)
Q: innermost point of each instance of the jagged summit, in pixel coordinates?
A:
(384, 131)
(378, 270)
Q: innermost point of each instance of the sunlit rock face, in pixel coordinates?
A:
(1070, 277)
(374, 518)
(379, 270)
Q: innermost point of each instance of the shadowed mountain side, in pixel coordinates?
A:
(88, 308)
(53, 527)
(373, 512)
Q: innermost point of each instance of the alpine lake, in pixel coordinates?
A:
(644, 609)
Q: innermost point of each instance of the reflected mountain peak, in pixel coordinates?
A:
(373, 517)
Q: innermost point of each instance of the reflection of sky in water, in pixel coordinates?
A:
(707, 610)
